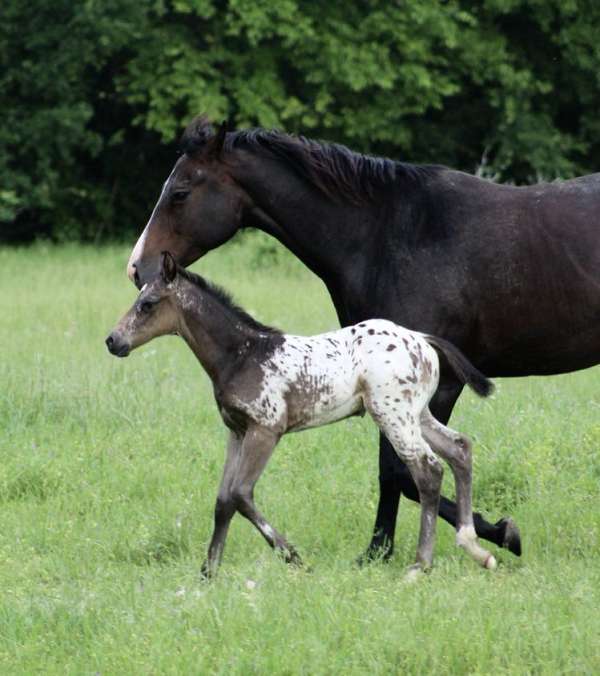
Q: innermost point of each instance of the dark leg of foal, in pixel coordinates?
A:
(257, 447)
(246, 459)
(224, 508)
(395, 479)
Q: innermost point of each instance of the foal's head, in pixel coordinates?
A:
(153, 314)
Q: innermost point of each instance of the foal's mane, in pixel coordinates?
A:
(225, 299)
(334, 169)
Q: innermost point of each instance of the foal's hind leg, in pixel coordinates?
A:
(426, 471)
(456, 450)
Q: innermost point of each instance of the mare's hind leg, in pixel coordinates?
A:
(456, 450)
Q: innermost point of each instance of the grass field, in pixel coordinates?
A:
(109, 473)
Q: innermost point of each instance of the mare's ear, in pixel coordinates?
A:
(168, 267)
(215, 144)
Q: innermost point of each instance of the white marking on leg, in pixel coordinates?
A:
(266, 530)
(466, 537)
(413, 573)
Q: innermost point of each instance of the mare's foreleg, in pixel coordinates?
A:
(391, 472)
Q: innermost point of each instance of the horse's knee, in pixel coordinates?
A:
(464, 452)
(429, 476)
(242, 498)
(225, 507)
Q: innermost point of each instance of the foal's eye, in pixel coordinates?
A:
(179, 196)
(146, 306)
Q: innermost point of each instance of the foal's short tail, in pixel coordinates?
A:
(462, 367)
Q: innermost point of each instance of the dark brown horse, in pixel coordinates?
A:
(509, 275)
(267, 384)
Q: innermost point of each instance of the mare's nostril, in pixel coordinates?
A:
(109, 342)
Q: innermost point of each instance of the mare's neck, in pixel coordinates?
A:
(332, 239)
(214, 333)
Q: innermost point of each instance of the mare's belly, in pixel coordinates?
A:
(543, 353)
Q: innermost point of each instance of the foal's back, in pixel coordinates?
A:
(317, 380)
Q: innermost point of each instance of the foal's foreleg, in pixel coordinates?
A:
(225, 507)
(456, 449)
(257, 447)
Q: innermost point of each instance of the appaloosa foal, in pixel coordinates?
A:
(267, 383)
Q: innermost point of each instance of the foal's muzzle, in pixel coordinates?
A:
(116, 346)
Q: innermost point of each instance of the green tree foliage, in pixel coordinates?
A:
(94, 93)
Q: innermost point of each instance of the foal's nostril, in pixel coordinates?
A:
(109, 342)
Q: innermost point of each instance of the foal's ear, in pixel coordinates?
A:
(168, 267)
(215, 145)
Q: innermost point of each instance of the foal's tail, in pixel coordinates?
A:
(462, 367)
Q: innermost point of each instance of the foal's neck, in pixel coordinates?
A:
(215, 334)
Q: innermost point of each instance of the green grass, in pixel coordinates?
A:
(109, 473)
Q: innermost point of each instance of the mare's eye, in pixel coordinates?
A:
(179, 196)
(146, 306)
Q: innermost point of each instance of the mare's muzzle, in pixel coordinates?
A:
(117, 346)
(140, 271)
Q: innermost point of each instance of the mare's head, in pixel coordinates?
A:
(224, 180)
(153, 314)
(200, 206)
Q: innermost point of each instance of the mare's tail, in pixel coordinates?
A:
(462, 367)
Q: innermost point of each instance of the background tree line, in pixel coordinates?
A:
(94, 93)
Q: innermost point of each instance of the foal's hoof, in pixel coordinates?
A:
(414, 573)
(206, 572)
(490, 563)
(292, 558)
(510, 536)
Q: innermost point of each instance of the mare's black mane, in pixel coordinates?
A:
(225, 299)
(334, 169)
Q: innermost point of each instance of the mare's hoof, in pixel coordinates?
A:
(375, 554)
(510, 535)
